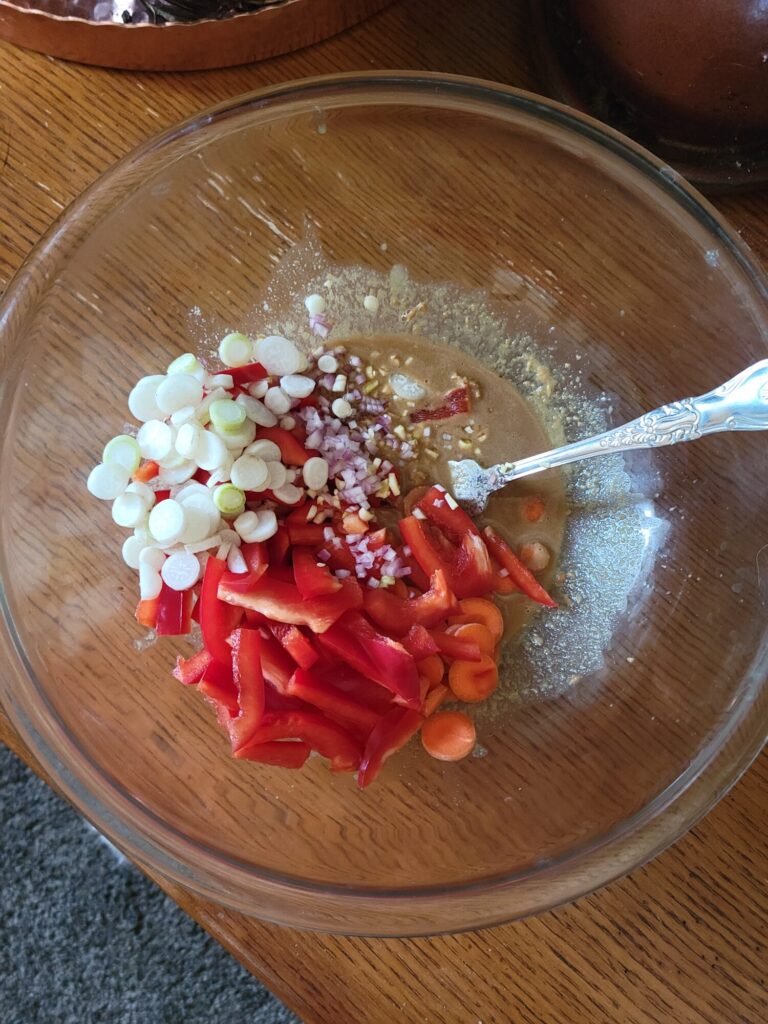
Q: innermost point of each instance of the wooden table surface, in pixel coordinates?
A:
(682, 940)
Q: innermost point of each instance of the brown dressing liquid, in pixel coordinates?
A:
(502, 426)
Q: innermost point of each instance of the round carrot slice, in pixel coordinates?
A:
(478, 609)
(473, 681)
(448, 736)
(477, 633)
(432, 668)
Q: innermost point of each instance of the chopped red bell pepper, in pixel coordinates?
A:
(378, 657)
(353, 683)
(246, 374)
(218, 686)
(249, 681)
(454, 522)
(468, 569)
(256, 558)
(328, 738)
(282, 602)
(217, 618)
(396, 614)
(306, 533)
(390, 735)
(278, 546)
(454, 647)
(456, 401)
(292, 451)
(202, 476)
(282, 572)
(296, 643)
(146, 612)
(312, 579)
(162, 495)
(341, 556)
(332, 701)
(280, 753)
(276, 663)
(191, 670)
(419, 642)
(174, 612)
(519, 573)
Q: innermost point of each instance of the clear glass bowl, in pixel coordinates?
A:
(586, 242)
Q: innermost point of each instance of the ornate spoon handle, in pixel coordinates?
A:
(739, 404)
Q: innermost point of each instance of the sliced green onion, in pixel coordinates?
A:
(226, 415)
(123, 450)
(187, 363)
(236, 349)
(228, 499)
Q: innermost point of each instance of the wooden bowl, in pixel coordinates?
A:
(178, 46)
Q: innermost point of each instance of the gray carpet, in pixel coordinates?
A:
(85, 938)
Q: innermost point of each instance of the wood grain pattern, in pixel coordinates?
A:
(682, 939)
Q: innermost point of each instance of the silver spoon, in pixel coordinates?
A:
(739, 404)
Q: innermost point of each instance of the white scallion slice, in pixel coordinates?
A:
(124, 450)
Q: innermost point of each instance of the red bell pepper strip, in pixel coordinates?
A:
(342, 676)
(390, 735)
(146, 612)
(249, 681)
(454, 647)
(378, 657)
(468, 569)
(519, 573)
(454, 522)
(312, 579)
(280, 753)
(419, 642)
(217, 618)
(276, 663)
(306, 533)
(332, 701)
(455, 401)
(296, 643)
(341, 556)
(246, 374)
(282, 602)
(191, 670)
(326, 737)
(174, 612)
(219, 687)
(278, 546)
(396, 614)
(256, 558)
(292, 451)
